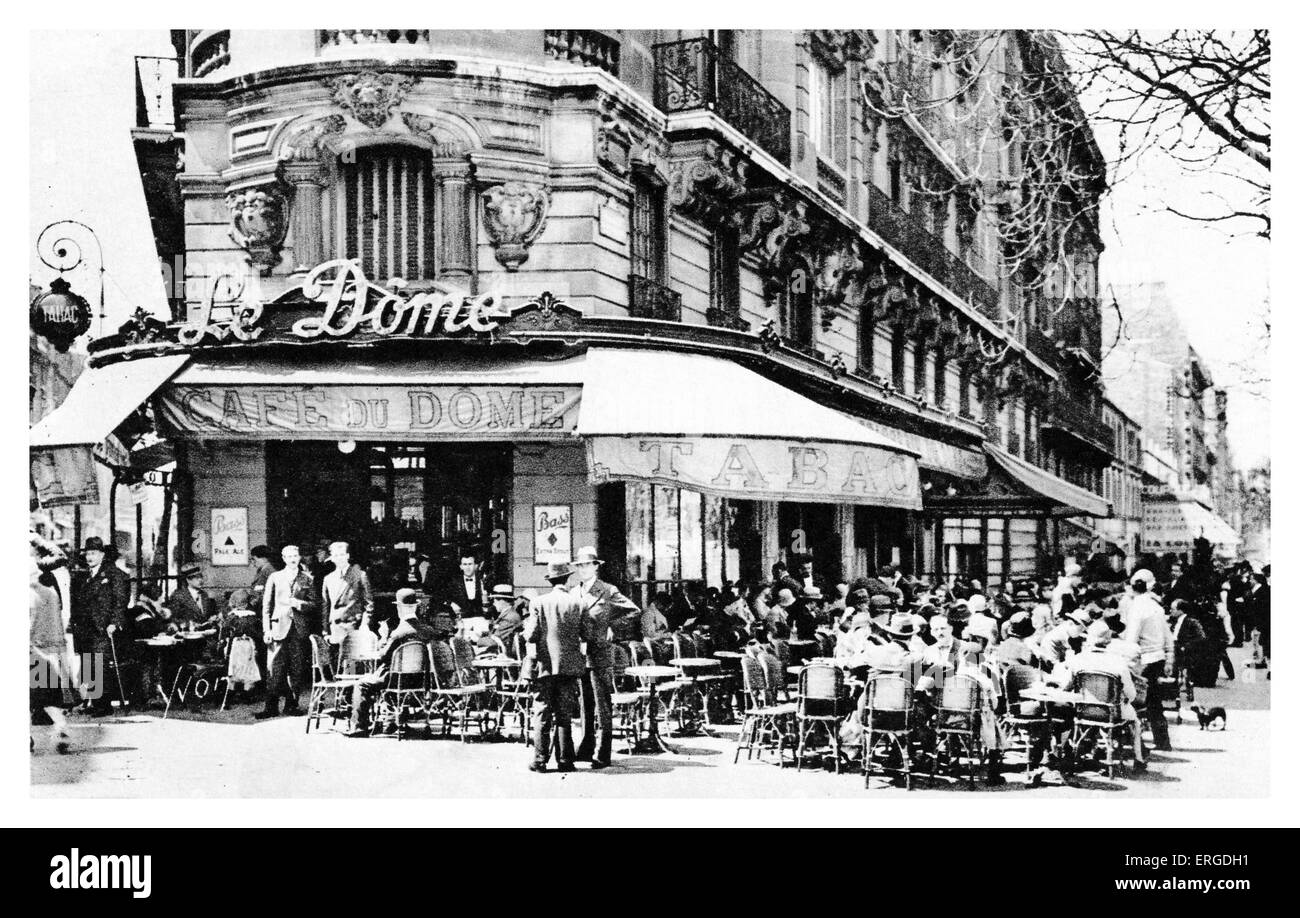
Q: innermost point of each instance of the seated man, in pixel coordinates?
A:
(976, 663)
(508, 622)
(654, 620)
(1095, 658)
(1016, 645)
(410, 627)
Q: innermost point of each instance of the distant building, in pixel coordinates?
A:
(1122, 482)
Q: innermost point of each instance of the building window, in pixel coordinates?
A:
(828, 111)
(963, 392)
(940, 378)
(866, 342)
(918, 370)
(898, 357)
(648, 231)
(383, 205)
(797, 312)
(724, 271)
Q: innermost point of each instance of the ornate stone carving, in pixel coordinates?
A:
(308, 144)
(444, 147)
(545, 313)
(774, 229)
(707, 188)
(513, 215)
(143, 327)
(844, 44)
(370, 97)
(838, 273)
(259, 220)
(613, 141)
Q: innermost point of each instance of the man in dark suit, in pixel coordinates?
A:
(99, 616)
(346, 597)
(556, 626)
(1189, 642)
(289, 609)
(188, 603)
(465, 591)
(410, 627)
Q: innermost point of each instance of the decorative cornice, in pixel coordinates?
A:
(708, 187)
(370, 96)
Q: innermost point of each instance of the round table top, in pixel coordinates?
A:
(700, 662)
(195, 635)
(802, 643)
(158, 642)
(495, 663)
(728, 654)
(1048, 693)
(651, 672)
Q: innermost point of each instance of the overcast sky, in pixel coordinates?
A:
(84, 168)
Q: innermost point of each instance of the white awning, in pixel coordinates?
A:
(100, 399)
(1173, 525)
(708, 424)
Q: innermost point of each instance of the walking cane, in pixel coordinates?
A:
(117, 671)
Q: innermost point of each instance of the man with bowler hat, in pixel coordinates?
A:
(99, 611)
(556, 626)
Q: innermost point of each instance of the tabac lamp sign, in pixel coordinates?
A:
(59, 315)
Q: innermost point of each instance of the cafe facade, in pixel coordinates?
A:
(486, 292)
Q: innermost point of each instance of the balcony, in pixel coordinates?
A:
(347, 38)
(722, 318)
(692, 75)
(583, 47)
(1069, 418)
(927, 251)
(209, 51)
(1078, 328)
(652, 300)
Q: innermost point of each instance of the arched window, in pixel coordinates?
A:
(383, 212)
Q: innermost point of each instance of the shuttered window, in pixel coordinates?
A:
(648, 232)
(383, 211)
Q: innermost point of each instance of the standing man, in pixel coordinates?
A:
(465, 593)
(556, 626)
(345, 594)
(606, 608)
(1189, 646)
(99, 613)
(262, 560)
(288, 608)
(1146, 624)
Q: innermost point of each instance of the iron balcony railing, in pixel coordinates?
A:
(899, 229)
(345, 38)
(583, 46)
(652, 300)
(693, 74)
(1071, 417)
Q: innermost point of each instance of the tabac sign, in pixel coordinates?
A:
(337, 300)
(762, 469)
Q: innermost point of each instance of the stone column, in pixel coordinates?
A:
(454, 220)
(308, 181)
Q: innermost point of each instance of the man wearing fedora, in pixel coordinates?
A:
(606, 608)
(557, 624)
(99, 616)
(507, 623)
(188, 603)
(289, 607)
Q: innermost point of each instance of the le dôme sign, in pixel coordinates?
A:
(351, 301)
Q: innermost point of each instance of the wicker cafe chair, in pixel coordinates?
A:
(1026, 722)
(627, 701)
(406, 689)
(690, 701)
(817, 707)
(886, 714)
(781, 647)
(453, 699)
(717, 684)
(957, 726)
(1097, 719)
(766, 724)
(357, 652)
(330, 692)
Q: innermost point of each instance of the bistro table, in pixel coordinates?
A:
(174, 653)
(690, 705)
(497, 666)
(649, 675)
(1059, 715)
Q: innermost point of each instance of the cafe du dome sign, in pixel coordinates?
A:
(337, 300)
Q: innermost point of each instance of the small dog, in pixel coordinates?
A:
(1215, 718)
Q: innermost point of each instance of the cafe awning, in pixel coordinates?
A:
(1172, 525)
(100, 399)
(711, 425)
(1018, 488)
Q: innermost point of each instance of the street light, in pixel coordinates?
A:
(60, 315)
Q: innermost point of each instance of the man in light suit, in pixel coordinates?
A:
(288, 607)
(345, 594)
(556, 626)
(606, 608)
